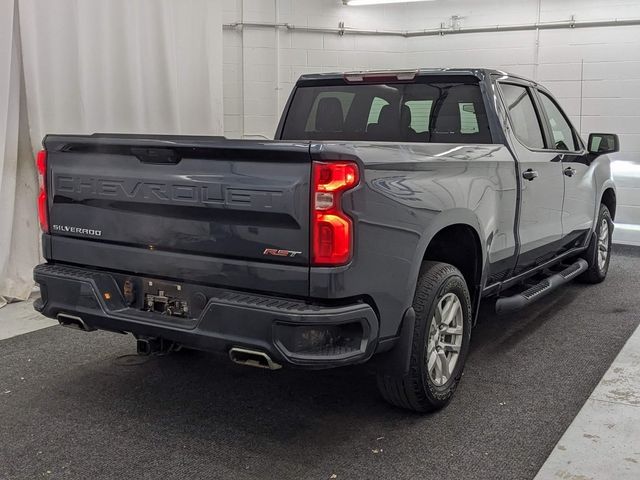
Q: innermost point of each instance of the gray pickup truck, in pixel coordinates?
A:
(388, 206)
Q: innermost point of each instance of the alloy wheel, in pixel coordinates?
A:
(603, 244)
(444, 339)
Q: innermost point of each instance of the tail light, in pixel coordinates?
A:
(43, 216)
(331, 228)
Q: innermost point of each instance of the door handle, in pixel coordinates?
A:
(529, 174)
(569, 172)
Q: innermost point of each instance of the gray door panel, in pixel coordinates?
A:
(578, 176)
(542, 185)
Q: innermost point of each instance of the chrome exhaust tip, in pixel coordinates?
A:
(71, 321)
(253, 358)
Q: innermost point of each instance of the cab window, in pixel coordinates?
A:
(376, 107)
(523, 115)
(420, 114)
(341, 100)
(468, 120)
(561, 131)
(436, 109)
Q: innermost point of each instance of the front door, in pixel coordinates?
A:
(579, 182)
(541, 178)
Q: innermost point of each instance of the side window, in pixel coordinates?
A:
(563, 137)
(374, 111)
(420, 113)
(523, 115)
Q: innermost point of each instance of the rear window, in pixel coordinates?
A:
(432, 109)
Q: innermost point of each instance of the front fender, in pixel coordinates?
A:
(604, 181)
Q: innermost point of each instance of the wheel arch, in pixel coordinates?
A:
(458, 245)
(609, 199)
(441, 228)
(455, 237)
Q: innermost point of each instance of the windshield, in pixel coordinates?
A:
(430, 110)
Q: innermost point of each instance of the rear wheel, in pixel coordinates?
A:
(440, 341)
(598, 254)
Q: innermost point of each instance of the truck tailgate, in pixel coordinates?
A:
(181, 200)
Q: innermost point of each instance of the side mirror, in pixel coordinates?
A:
(600, 143)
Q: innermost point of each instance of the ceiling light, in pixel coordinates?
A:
(355, 3)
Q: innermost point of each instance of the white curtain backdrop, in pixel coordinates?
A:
(85, 66)
(18, 222)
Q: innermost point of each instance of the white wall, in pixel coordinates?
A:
(262, 64)
(273, 60)
(68, 66)
(593, 71)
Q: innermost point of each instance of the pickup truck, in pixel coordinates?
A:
(388, 206)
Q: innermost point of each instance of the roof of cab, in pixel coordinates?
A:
(476, 72)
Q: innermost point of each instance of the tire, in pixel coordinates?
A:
(419, 391)
(601, 238)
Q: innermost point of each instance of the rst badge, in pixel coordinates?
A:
(275, 252)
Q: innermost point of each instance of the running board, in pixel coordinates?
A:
(546, 286)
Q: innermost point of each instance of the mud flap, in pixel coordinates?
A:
(396, 361)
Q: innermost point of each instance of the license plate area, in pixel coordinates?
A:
(165, 298)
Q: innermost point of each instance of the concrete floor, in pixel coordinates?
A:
(76, 405)
(603, 441)
(20, 318)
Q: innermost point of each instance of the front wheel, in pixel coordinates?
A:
(440, 341)
(598, 254)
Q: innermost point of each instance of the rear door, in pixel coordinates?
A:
(541, 179)
(224, 212)
(579, 183)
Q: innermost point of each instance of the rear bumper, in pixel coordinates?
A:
(270, 324)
